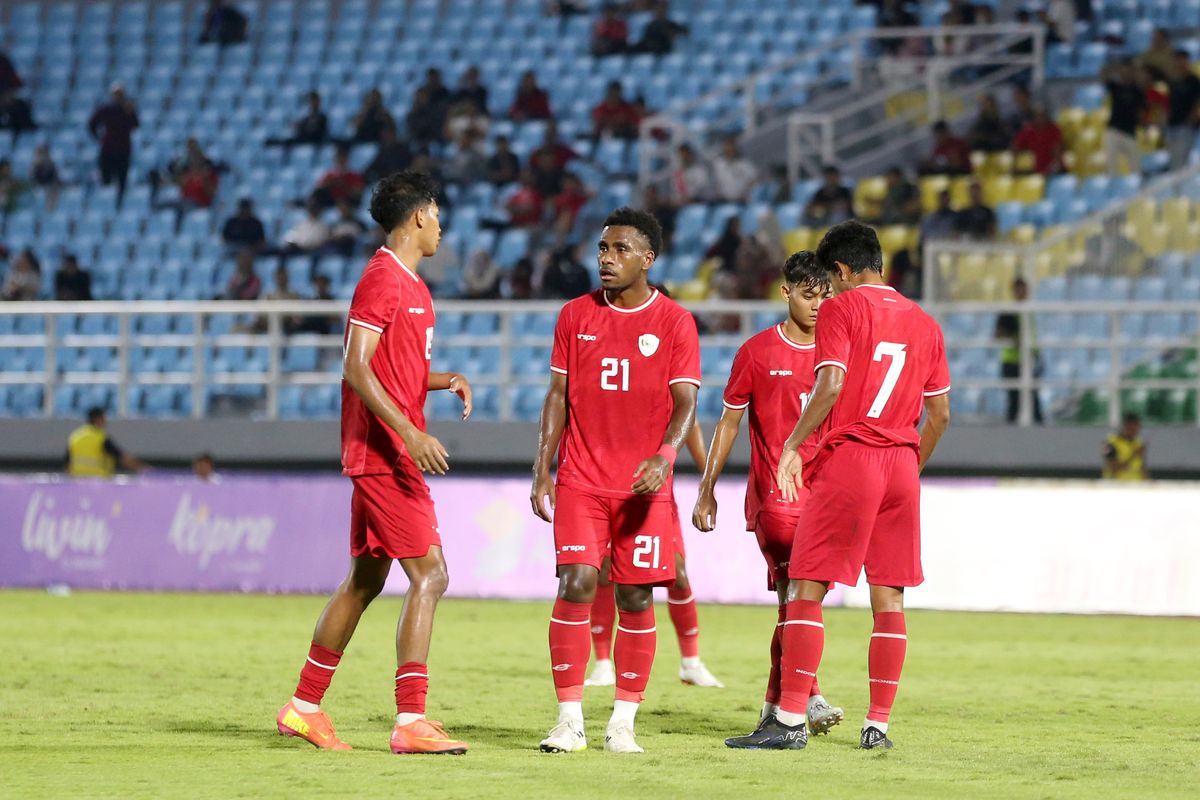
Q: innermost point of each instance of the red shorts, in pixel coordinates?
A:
(864, 510)
(640, 532)
(392, 517)
(775, 533)
(680, 550)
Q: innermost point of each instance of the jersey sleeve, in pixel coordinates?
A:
(376, 299)
(685, 353)
(741, 379)
(562, 342)
(834, 337)
(938, 381)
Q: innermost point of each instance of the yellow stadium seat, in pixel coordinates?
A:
(868, 196)
(1023, 162)
(694, 289)
(931, 186)
(893, 238)
(798, 239)
(1001, 163)
(997, 189)
(1149, 138)
(979, 162)
(1177, 216)
(1004, 267)
(960, 191)
(1089, 140)
(1142, 213)
(1097, 118)
(1023, 234)
(1029, 188)
(1070, 121)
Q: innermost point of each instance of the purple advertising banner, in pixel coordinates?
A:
(290, 534)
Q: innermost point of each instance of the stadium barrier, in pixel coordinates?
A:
(988, 546)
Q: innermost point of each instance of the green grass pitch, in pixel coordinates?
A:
(141, 695)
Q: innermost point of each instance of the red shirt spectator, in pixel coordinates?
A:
(1042, 137)
(526, 205)
(531, 101)
(198, 185)
(561, 153)
(614, 116)
(610, 33)
(341, 183)
(569, 202)
(951, 154)
(113, 124)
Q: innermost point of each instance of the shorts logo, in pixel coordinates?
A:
(648, 344)
(781, 372)
(630, 675)
(416, 310)
(561, 667)
(574, 548)
(586, 337)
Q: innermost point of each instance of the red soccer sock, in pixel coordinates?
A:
(803, 641)
(885, 660)
(317, 673)
(772, 695)
(412, 684)
(604, 614)
(682, 608)
(569, 648)
(636, 640)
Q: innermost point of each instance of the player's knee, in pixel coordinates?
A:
(634, 598)
(577, 585)
(434, 581)
(364, 588)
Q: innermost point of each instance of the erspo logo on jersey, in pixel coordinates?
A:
(585, 337)
(781, 372)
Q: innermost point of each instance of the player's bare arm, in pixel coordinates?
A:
(426, 451)
(695, 446)
(554, 419)
(828, 387)
(653, 472)
(937, 419)
(454, 382)
(704, 515)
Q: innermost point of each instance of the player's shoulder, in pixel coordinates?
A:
(763, 340)
(670, 308)
(582, 304)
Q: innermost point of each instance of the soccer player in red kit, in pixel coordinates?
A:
(625, 370)
(388, 346)
(881, 360)
(772, 377)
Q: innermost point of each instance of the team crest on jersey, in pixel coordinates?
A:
(648, 344)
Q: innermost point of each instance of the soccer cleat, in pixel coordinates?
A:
(822, 716)
(603, 674)
(425, 736)
(699, 676)
(619, 738)
(314, 728)
(772, 735)
(874, 739)
(565, 737)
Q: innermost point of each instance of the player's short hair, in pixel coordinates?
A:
(802, 269)
(400, 194)
(643, 221)
(1131, 417)
(95, 414)
(854, 245)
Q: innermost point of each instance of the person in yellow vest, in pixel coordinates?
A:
(91, 452)
(1125, 452)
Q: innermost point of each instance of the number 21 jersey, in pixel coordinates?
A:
(620, 365)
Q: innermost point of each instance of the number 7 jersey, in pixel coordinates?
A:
(620, 365)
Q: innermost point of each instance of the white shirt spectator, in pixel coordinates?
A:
(733, 178)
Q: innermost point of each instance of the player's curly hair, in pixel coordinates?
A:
(802, 269)
(853, 244)
(398, 195)
(643, 221)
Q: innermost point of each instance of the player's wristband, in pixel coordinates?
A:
(669, 453)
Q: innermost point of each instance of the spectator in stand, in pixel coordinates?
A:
(1157, 100)
(437, 98)
(831, 203)
(346, 231)
(951, 154)
(10, 81)
(663, 210)
(959, 13)
(308, 235)
(321, 324)
(281, 293)
(12, 188)
(660, 33)
(16, 114)
(1042, 137)
(24, 278)
(244, 284)
(464, 116)
(565, 277)
(112, 124)
(1183, 110)
(549, 161)
(1008, 333)
(424, 120)
(989, 132)
(977, 221)
(244, 230)
(223, 24)
(312, 128)
(1022, 103)
(1127, 104)
(195, 177)
(70, 282)
(614, 116)
(905, 275)
(518, 283)
(371, 119)
(567, 204)
(468, 164)
(1125, 451)
(527, 205)
(471, 91)
(942, 222)
(531, 100)
(691, 180)
(901, 203)
(340, 183)
(724, 286)
(392, 156)
(481, 278)
(43, 174)
(92, 453)
(610, 34)
(894, 14)
(1159, 57)
(205, 469)
(734, 175)
(503, 166)
(439, 95)
(725, 248)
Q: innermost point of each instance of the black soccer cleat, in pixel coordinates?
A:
(771, 734)
(874, 739)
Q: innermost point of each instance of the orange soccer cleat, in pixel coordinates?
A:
(425, 736)
(314, 728)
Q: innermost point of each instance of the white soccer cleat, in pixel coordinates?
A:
(699, 676)
(565, 737)
(619, 738)
(603, 674)
(822, 716)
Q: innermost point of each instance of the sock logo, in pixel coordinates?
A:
(561, 667)
(806, 672)
(597, 629)
(630, 675)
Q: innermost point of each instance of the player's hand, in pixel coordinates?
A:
(543, 487)
(704, 515)
(651, 474)
(788, 476)
(462, 387)
(428, 453)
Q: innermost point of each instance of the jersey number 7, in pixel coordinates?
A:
(897, 355)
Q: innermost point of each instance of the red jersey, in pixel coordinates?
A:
(620, 365)
(392, 300)
(773, 377)
(894, 358)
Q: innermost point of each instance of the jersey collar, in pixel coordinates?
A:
(875, 286)
(790, 343)
(653, 296)
(400, 263)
